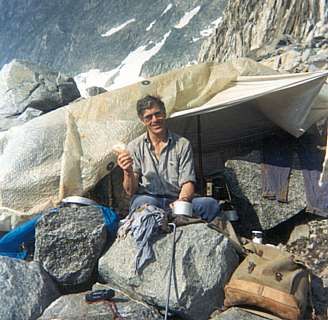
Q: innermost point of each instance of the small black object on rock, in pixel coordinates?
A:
(98, 295)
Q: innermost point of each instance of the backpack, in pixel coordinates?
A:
(269, 280)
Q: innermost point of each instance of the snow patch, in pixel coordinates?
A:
(131, 66)
(151, 25)
(211, 28)
(126, 73)
(187, 17)
(93, 78)
(195, 39)
(169, 6)
(116, 29)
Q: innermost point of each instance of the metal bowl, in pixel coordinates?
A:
(79, 201)
(231, 215)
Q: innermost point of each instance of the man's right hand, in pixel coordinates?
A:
(125, 162)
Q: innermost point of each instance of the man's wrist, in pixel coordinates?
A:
(128, 173)
(184, 198)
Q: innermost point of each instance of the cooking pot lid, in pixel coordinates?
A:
(79, 200)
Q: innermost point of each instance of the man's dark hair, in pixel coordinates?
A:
(149, 102)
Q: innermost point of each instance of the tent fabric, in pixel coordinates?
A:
(67, 151)
(286, 100)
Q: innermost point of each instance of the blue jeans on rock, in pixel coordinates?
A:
(204, 207)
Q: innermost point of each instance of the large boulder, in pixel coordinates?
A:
(75, 307)
(277, 177)
(26, 290)
(27, 90)
(204, 261)
(69, 243)
(244, 177)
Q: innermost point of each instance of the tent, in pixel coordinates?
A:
(67, 151)
(254, 106)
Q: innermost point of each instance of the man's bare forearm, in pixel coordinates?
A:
(130, 182)
(187, 191)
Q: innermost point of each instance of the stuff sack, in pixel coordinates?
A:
(111, 220)
(19, 242)
(269, 280)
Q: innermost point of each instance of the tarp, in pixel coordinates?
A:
(254, 105)
(67, 151)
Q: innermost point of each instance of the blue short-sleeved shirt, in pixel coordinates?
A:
(166, 175)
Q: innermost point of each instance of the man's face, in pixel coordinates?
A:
(154, 120)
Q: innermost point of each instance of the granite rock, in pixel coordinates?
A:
(69, 243)
(27, 90)
(75, 307)
(26, 290)
(204, 261)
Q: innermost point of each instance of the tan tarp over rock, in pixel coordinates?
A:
(66, 152)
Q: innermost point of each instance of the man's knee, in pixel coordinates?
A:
(206, 207)
(139, 200)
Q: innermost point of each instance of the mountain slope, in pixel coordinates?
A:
(128, 37)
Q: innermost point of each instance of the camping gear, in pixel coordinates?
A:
(78, 201)
(231, 215)
(98, 295)
(270, 280)
(73, 144)
(227, 208)
(66, 152)
(111, 221)
(168, 291)
(19, 242)
(182, 208)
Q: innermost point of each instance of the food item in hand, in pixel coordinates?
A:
(119, 148)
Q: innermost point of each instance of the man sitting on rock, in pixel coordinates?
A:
(158, 166)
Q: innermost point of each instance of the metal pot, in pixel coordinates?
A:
(182, 208)
(231, 215)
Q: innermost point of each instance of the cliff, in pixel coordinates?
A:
(293, 32)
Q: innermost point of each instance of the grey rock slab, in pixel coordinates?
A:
(74, 307)
(237, 314)
(245, 181)
(204, 261)
(26, 85)
(69, 243)
(300, 231)
(26, 290)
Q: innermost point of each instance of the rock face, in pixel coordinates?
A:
(204, 261)
(298, 42)
(99, 34)
(69, 243)
(74, 307)
(27, 90)
(26, 290)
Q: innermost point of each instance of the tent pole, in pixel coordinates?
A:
(200, 155)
